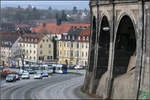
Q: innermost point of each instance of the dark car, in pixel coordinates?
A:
(11, 78)
(44, 74)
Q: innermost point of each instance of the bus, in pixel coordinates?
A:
(61, 68)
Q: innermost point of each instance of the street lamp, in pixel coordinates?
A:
(106, 28)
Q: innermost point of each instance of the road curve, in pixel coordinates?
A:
(55, 87)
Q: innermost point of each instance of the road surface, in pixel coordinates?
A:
(59, 86)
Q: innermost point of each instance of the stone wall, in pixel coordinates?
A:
(136, 80)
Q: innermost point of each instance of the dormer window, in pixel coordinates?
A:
(72, 37)
(79, 38)
(65, 37)
(83, 38)
(87, 38)
(35, 40)
(68, 37)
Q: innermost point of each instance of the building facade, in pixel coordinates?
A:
(7, 39)
(119, 65)
(73, 47)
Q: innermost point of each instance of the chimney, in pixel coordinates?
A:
(44, 24)
(58, 21)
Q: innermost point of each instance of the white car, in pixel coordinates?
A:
(38, 76)
(25, 76)
(78, 67)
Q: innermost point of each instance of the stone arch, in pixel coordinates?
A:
(133, 19)
(125, 46)
(103, 47)
(92, 44)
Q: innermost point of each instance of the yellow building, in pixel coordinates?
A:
(36, 47)
(45, 49)
(73, 47)
(7, 39)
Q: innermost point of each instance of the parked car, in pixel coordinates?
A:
(44, 74)
(11, 78)
(25, 76)
(38, 76)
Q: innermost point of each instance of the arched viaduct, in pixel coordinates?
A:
(119, 64)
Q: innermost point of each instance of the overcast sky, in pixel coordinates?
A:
(55, 4)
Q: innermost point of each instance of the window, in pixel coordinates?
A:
(83, 38)
(65, 37)
(60, 44)
(86, 54)
(72, 37)
(35, 40)
(71, 53)
(28, 39)
(48, 57)
(82, 45)
(77, 45)
(43, 40)
(27, 51)
(49, 51)
(41, 46)
(68, 53)
(77, 53)
(30, 57)
(34, 45)
(27, 45)
(79, 38)
(47, 40)
(34, 57)
(31, 40)
(72, 44)
(65, 53)
(68, 44)
(68, 37)
(82, 54)
(87, 38)
(60, 53)
(86, 45)
(49, 45)
(30, 45)
(34, 52)
(41, 52)
(20, 45)
(30, 51)
(64, 44)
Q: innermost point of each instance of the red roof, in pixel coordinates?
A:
(57, 29)
(31, 36)
(84, 35)
(85, 32)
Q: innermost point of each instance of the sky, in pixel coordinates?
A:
(55, 4)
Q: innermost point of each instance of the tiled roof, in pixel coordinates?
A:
(7, 39)
(85, 32)
(31, 38)
(54, 29)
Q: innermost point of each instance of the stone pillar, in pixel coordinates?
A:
(145, 75)
(138, 50)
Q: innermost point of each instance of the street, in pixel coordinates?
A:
(58, 86)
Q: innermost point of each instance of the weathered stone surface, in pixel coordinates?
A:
(123, 86)
(135, 78)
